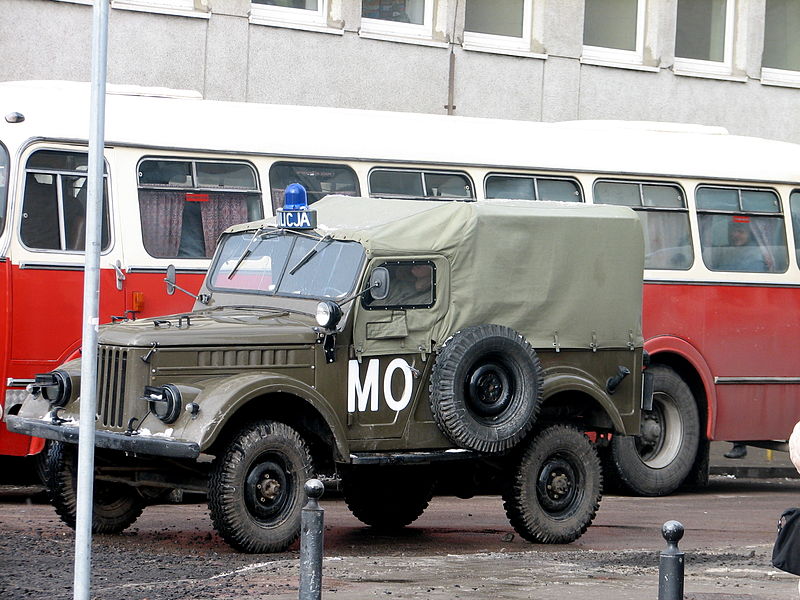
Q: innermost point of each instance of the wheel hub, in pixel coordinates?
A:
(269, 488)
(556, 485)
(651, 429)
(489, 389)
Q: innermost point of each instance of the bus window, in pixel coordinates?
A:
(741, 230)
(524, 187)
(318, 179)
(396, 183)
(794, 203)
(664, 216)
(184, 205)
(3, 186)
(54, 202)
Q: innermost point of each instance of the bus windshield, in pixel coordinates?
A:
(3, 185)
(277, 262)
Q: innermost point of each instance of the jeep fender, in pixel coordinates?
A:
(558, 382)
(221, 399)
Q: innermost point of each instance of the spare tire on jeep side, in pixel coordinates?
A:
(486, 388)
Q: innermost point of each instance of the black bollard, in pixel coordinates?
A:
(311, 529)
(670, 567)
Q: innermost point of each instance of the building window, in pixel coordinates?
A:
(505, 25)
(664, 216)
(781, 60)
(187, 8)
(400, 18)
(741, 229)
(185, 205)
(704, 36)
(613, 31)
(301, 14)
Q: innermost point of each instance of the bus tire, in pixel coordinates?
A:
(659, 460)
(256, 488)
(387, 498)
(555, 487)
(486, 388)
(116, 506)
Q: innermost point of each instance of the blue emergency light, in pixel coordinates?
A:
(295, 213)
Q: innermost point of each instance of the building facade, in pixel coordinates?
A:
(733, 63)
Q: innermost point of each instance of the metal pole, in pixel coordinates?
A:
(91, 303)
(311, 531)
(670, 567)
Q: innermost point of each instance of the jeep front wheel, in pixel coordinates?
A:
(115, 507)
(555, 487)
(255, 491)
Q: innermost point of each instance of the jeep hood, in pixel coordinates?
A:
(226, 326)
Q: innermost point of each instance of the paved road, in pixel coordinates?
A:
(457, 549)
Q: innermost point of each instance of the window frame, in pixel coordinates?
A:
(384, 28)
(193, 188)
(777, 76)
(536, 177)
(183, 8)
(697, 67)
(615, 56)
(422, 172)
(295, 18)
(366, 305)
(59, 174)
(779, 214)
(5, 177)
(641, 183)
(474, 40)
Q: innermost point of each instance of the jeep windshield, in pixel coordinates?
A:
(278, 262)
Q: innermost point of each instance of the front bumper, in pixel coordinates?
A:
(134, 443)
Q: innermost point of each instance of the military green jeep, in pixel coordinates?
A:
(393, 348)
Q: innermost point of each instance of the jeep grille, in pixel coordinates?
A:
(111, 371)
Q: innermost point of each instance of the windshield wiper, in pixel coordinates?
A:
(309, 255)
(248, 250)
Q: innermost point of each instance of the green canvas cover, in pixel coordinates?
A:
(566, 276)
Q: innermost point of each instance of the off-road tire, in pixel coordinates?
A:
(659, 461)
(387, 498)
(274, 456)
(116, 506)
(555, 486)
(486, 388)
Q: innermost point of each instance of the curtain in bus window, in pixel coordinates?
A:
(219, 213)
(40, 224)
(666, 240)
(161, 214)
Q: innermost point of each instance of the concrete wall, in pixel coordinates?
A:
(225, 56)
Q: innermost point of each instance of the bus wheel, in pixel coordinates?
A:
(387, 498)
(656, 462)
(255, 491)
(555, 487)
(116, 506)
(486, 388)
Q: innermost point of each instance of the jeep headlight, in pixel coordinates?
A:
(165, 401)
(55, 387)
(328, 314)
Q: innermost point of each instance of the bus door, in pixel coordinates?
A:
(45, 295)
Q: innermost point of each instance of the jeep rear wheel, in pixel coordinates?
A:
(387, 498)
(486, 388)
(555, 487)
(116, 506)
(256, 488)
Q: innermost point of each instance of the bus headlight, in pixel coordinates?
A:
(55, 387)
(165, 401)
(328, 314)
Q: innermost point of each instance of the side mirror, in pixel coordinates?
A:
(379, 283)
(170, 280)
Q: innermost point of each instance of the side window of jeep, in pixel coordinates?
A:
(412, 284)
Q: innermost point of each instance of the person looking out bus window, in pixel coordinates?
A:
(743, 253)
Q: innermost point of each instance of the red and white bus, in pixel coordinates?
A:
(721, 216)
